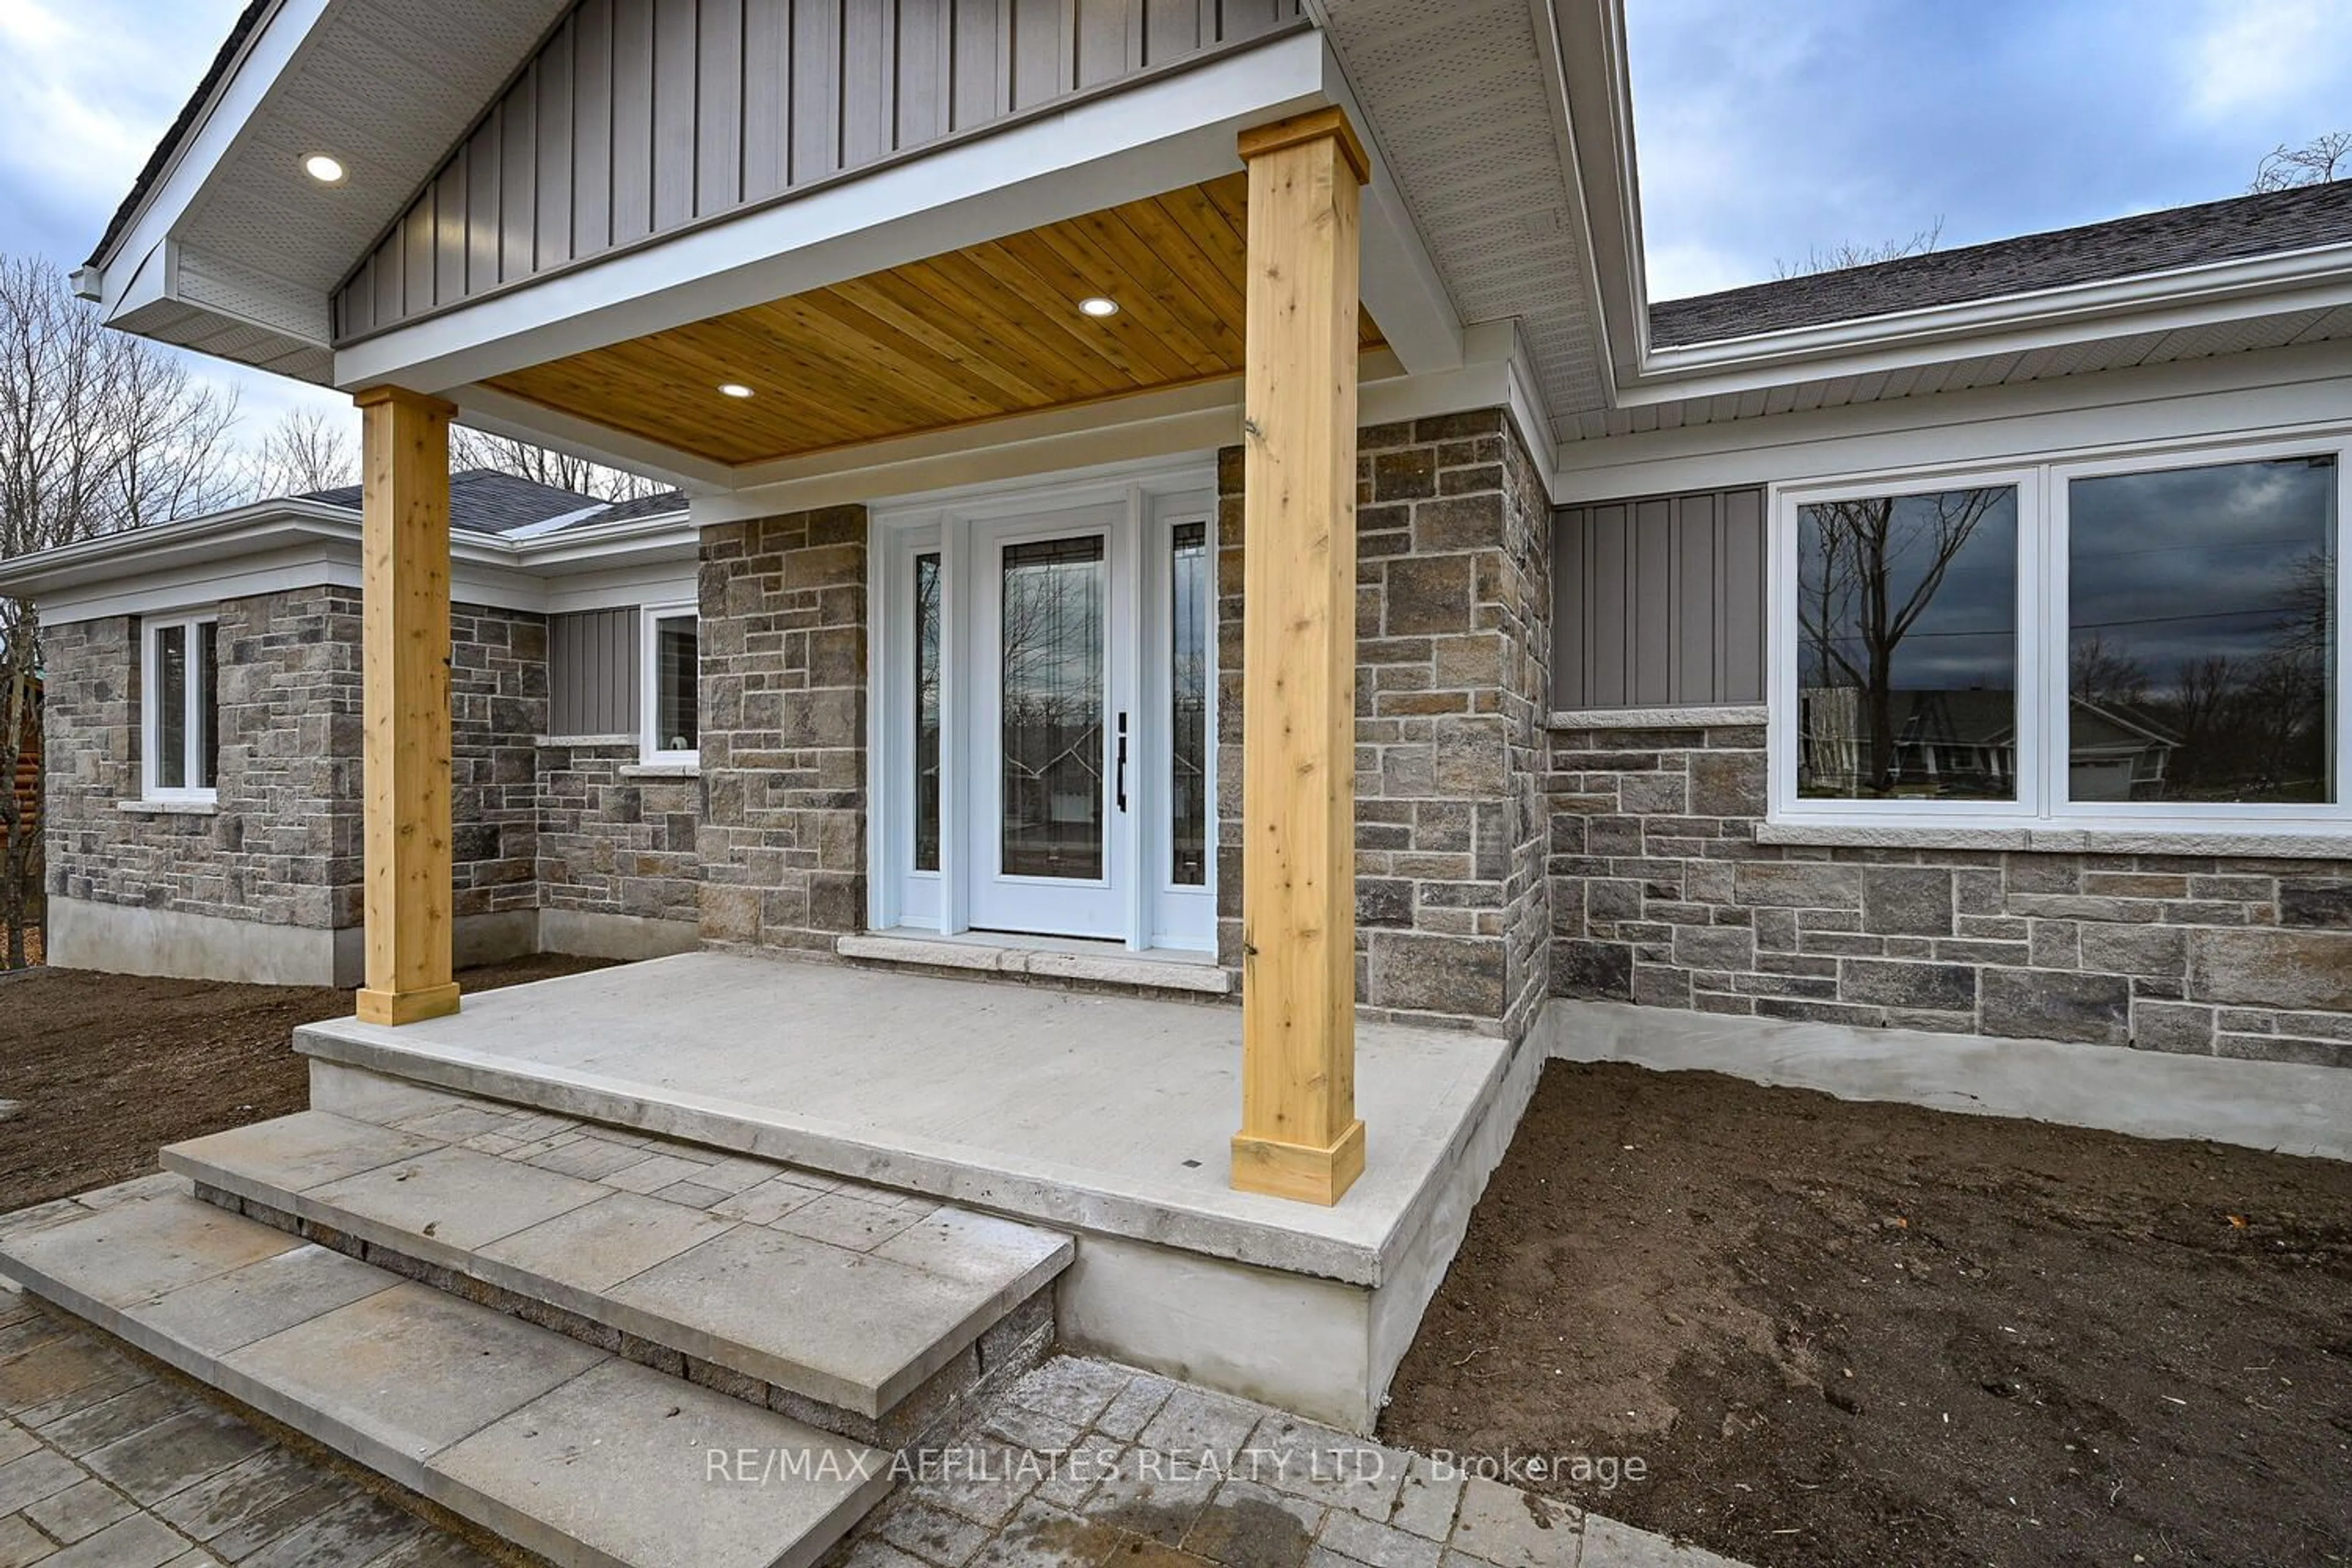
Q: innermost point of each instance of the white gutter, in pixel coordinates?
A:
(269, 525)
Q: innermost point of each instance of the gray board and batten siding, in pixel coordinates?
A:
(1659, 603)
(593, 664)
(638, 119)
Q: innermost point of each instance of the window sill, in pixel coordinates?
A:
(2234, 843)
(583, 741)
(661, 771)
(168, 807)
(1728, 716)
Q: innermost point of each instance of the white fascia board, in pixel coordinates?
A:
(1175, 131)
(672, 582)
(2318, 278)
(279, 545)
(166, 545)
(2275, 391)
(221, 127)
(1589, 89)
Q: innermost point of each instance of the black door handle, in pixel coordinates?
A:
(1122, 762)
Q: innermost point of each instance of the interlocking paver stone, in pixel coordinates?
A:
(1506, 1527)
(175, 1453)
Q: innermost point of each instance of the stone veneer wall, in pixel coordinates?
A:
(282, 848)
(498, 709)
(283, 845)
(1662, 896)
(783, 841)
(614, 843)
(1453, 638)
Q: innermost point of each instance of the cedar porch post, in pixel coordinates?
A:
(1299, 1136)
(405, 641)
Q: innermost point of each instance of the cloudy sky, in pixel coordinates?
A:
(1767, 127)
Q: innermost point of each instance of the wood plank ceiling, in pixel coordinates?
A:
(976, 334)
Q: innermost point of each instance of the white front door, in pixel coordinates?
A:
(1051, 721)
(1045, 714)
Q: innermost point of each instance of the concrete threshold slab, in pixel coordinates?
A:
(850, 1296)
(522, 1431)
(1108, 1114)
(1094, 964)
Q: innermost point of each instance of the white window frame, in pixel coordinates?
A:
(2042, 612)
(150, 727)
(650, 750)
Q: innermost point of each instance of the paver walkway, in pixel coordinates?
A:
(105, 1463)
(1083, 1464)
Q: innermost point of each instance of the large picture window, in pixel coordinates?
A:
(2135, 643)
(179, 709)
(1907, 613)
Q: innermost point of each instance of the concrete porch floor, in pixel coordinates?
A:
(1104, 1115)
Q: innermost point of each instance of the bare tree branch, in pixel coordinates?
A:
(99, 432)
(2318, 162)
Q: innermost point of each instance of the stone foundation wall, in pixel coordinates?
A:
(782, 840)
(1661, 895)
(1453, 639)
(283, 843)
(282, 847)
(614, 840)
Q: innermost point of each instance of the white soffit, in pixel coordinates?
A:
(1457, 99)
(386, 86)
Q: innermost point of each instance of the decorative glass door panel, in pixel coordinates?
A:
(1046, 849)
(1051, 708)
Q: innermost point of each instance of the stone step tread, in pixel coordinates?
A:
(523, 1431)
(846, 1294)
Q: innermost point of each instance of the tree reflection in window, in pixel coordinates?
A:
(1907, 645)
(1053, 699)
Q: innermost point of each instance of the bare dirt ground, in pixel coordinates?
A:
(1847, 1334)
(107, 1068)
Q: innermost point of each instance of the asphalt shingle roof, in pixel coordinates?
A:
(2271, 223)
(485, 500)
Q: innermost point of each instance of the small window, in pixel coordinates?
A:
(672, 732)
(180, 721)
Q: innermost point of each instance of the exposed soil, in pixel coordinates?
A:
(107, 1068)
(1869, 1334)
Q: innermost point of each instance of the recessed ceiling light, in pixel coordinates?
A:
(734, 389)
(1097, 306)
(325, 170)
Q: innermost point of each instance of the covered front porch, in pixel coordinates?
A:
(1108, 1116)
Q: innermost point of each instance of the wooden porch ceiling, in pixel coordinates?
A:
(975, 335)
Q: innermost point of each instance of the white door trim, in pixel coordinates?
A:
(1147, 502)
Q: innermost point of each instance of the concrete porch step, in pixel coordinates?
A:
(861, 1310)
(569, 1452)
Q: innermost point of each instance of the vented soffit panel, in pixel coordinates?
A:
(386, 87)
(1457, 101)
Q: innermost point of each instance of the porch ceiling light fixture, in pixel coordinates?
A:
(325, 170)
(1099, 306)
(734, 389)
